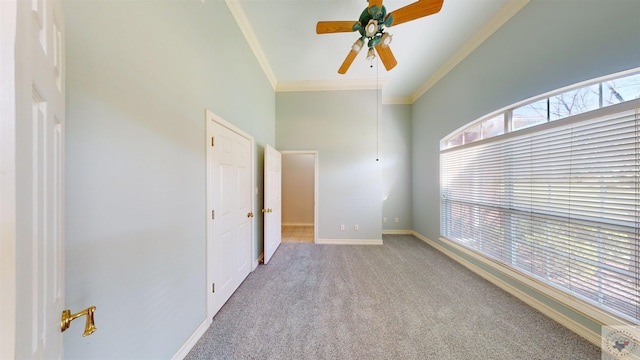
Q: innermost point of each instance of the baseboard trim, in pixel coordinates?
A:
(349, 242)
(576, 327)
(192, 340)
(397, 232)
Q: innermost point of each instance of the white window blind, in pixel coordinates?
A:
(559, 202)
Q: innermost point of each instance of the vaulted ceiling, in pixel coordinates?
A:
(282, 34)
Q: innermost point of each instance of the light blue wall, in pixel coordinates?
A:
(395, 159)
(341, 126)
(547, 45)
(139, 77)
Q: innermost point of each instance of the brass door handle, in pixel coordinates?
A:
(89, 326)
(250, 214)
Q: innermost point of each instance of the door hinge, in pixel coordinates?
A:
(213, 214)
(213, 142)
(213, 287)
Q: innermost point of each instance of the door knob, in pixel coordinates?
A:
(89, 326)
(264, 211)
(250, 214)
(270, 210)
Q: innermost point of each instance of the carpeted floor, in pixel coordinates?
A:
(402, 300)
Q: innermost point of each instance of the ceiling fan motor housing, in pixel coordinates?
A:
(371, 24)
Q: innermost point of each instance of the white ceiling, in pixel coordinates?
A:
(282, 35)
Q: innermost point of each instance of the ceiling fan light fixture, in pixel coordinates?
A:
(371, 54)
(357, 46)
(386, 39)
(372, 28)
(374, 41)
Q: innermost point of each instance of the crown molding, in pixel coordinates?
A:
(397, 100)
(504, 14)
(337, 85)
(245, 26)
(329, 85)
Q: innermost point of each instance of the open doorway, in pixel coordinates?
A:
(299, 196)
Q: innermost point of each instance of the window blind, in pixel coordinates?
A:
(560, 203)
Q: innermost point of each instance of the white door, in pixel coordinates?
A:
(272, 201)
(229, 192)
(38, 114)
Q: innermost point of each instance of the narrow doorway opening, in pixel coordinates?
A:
(299, 196)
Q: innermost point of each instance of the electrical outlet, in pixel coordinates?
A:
(397, 219)
(342, 227)
(355, 227)
(384, 219)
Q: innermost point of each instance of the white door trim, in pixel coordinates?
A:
(315, 185)
(8, 9)
(209, 116)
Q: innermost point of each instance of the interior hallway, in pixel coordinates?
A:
(297, 234)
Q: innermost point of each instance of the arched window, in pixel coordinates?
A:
(551, 188)
(557, 105)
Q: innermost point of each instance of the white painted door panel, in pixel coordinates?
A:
(229, 183)
(40, 119)
(272, 201)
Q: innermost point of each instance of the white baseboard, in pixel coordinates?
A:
(566, 321)
(349, 241)
(397, 232)
(193, 339)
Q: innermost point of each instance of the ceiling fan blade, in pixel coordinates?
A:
(416, 10)
(374, 8)
(386, 56)
(377, 3)
(327, 27)
(347, 62)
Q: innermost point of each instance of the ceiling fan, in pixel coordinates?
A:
(371, 24)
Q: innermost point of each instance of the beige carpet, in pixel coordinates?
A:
(402, 300)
